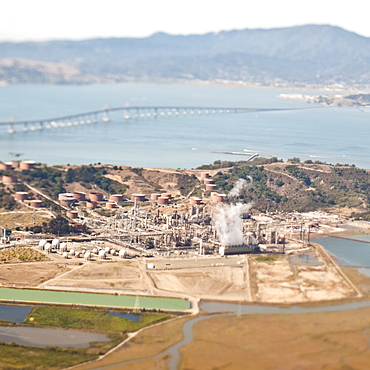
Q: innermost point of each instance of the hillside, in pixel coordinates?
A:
(270, 184)
(310, 54)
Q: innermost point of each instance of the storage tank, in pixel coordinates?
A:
(138, 197)
(91, 204)
(208, 181)
(166, 195)
(42, 243)
(72, 214)
(35, 203)
(66, 202)
(10, 179)
(6, 166)
(63, 247)
(111, 205)
(79, 196)
(163, 200)
(27, 165)
(204, 175)
(195, 201)
(219, 198)
(21, 195)
(116, 197)
(211, 187)
(154, 196)
(55, 243)
(96, 197)
(64, 196)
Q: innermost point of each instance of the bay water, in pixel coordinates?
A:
(333, 135)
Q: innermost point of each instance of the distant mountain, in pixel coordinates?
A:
(310, 54)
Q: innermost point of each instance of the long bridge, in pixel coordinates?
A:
(129, 112)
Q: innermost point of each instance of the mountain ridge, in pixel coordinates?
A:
(309, 54)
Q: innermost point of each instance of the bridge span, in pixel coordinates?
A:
(129, 112)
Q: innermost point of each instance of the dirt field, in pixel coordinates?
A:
(104, 275)
(222, 283)
(332, 340)
(30, 274)
(279, 282)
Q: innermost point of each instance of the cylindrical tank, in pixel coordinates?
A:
(96, 197)
(219, 198)
(166, 195)
(211, 187)
(6, 166)
(64, 196)
(195, 201)
(72, 214)
(9, 179)
(116, 197)
(204, 175)
(138, 197)
(163, 200)
(208, 181)
(154, 196)
(111, 205)
(66, 202)
(91, 204)
(79, 196)
(21, 195)
(35, 203)
(27, 165)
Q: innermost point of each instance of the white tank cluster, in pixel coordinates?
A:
(86, 252)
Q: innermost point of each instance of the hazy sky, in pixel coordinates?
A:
(80, 19)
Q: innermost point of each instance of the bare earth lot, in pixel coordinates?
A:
(30, 274)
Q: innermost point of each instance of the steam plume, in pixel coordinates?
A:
(239, 186)
(228, 223)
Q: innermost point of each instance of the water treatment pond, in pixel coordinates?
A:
(128, 316)
(39, 337)
(305, 259)
(14, 313)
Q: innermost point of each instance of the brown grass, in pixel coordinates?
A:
(12, 220)
(333, 340)
(147, 343)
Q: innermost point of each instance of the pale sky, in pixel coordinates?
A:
(34, 20)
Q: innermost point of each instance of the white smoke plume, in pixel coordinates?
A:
(239, 186)
(228, 223)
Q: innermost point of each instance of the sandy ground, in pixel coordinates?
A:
(103, 275)
(31, 274)
(225, 283)
(279, 282)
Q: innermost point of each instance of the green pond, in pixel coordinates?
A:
(92, 299)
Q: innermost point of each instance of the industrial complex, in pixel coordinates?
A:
(209, 245)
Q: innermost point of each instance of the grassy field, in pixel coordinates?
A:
(13, 356)
(32, 358)
(89, 319)
(331, 340)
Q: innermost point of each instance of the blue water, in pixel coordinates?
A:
(327, 134)
(14, 313)
(127, 316)
(347, 252)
